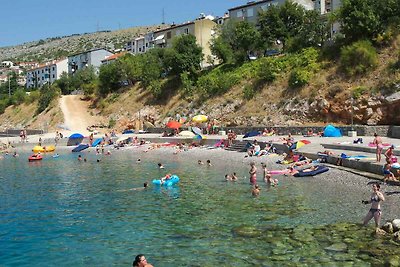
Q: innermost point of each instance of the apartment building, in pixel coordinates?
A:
(89, 58)
(46, 73)
(250, 11)
(140, 44)
(327, 6)
(202, 28)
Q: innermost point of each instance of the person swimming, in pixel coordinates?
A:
(160, 166)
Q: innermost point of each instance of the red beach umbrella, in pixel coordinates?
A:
(174, 125)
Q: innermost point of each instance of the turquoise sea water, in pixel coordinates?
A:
(61, 212)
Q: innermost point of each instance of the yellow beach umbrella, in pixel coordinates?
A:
(200, 118)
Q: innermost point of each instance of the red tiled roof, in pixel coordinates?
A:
(115, 56)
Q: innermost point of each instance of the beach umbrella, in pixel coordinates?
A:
(200, 118)
(306, 142)
(148, 124)
(199, 137)
(197, 130)
(186, 134)
(76, 136)
(251, 134)
(297, 145)
(128, 132)
(173, 125)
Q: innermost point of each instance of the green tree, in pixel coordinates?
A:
(110, 77)
(221, 49)
(271, 26)
(153, 67)
(64, 83)
(246, 40)
(185, 55)
(359, 19)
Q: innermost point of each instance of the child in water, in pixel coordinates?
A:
(255, 191)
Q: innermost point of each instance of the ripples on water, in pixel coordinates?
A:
(68, 213)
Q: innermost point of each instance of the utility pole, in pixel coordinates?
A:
(9, 85)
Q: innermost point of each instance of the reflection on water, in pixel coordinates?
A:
(69, 213)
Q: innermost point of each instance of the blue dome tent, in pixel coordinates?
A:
(331, 131)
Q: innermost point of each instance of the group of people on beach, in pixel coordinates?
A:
(390, 158)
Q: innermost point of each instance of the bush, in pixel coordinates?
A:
(47, 94)
(358, 58)
(269, 70)
(33, 96)
(111, 123)
(248, 92)
(359, 91)
(299, 78)
(155, 88)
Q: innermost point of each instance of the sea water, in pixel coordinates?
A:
(61, 212)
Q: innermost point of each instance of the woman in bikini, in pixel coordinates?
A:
(378, 142)
(253, 173)
(375, 210)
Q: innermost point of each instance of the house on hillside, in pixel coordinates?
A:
(249, 12)
(328, 6)
(202, 28)
(89, 58)
(140, 44)
(46, 73)
(6, 64)
(112, 58)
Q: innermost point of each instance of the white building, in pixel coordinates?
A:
(46, 73)
(249, 12)
(6, 64)
(89, 58)
(140, 44)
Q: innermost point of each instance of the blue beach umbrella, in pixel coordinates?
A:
(251, 134)
(76, 136)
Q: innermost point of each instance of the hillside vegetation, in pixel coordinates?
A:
(356, 73)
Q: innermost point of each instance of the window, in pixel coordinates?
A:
(54, 68)
(250, 12)
(140, 49)
(143, 48)
(239, 14)
(186, 31)
(54, 76)
(147, 44)
(169, 35)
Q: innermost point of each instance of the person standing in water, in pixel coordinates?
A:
(253, 173)
(375, 210)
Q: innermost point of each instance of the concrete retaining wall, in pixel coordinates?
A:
(362, 130)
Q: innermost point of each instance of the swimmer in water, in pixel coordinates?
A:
(256, 190)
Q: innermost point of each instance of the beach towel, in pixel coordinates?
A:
(374, 145)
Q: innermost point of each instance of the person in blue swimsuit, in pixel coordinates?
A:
(375, 210)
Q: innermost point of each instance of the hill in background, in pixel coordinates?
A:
(58, 47)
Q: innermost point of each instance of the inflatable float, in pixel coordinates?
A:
(42, 149)
(97, 142)
(318, 169)
(174, 179)
(35, 157)
(80, 148)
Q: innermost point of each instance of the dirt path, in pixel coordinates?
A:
(76, 113)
